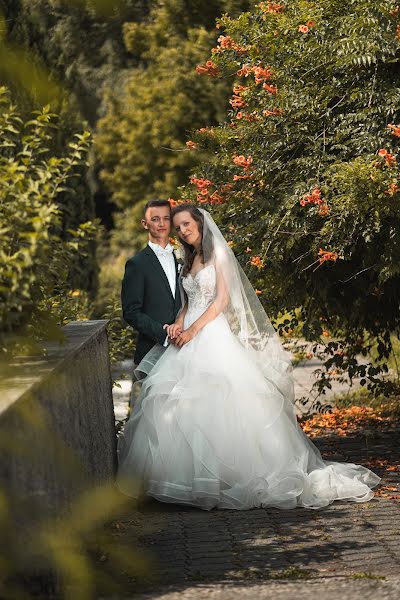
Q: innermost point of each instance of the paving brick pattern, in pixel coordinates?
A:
(198, 554)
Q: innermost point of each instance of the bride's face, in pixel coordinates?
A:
(187, 228)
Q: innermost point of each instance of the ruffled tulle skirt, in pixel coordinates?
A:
(213, 428)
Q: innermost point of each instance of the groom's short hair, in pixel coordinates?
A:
(157, 203)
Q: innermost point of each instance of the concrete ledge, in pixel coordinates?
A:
(57, 428)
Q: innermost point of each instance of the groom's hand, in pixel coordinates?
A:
(173, 330)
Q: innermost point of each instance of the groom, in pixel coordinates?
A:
(150, 293)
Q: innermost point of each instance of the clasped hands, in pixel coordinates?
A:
(177, 335)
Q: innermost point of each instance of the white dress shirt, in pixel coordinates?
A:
(167, 261)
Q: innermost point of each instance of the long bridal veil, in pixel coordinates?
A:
(245, 313)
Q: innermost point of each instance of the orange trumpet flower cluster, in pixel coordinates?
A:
(237, 102)
(261, 74)
(271, 7)
(316, 199)
(313, 198)
(239, 89)
(192, 145)
(392, 189)
(395, 129)
(176, 202)
(306, 28)
(271, 89)
(253, 116)
(325, 255)
(209, 68)
(225, 42)
(389, 158)
(204, 195)
(242, 161)
(256, 261)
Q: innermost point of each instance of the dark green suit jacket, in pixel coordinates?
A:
(147, 300)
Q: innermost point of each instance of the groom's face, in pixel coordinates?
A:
(157, 221)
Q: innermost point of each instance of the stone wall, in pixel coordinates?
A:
(57, 429)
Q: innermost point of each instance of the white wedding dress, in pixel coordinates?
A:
(211, 428)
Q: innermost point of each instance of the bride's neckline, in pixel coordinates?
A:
(199, 271)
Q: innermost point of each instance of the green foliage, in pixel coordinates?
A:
(141, 140)
(317, 202)
(38, 251)
(140, 143)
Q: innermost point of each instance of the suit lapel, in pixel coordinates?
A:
(158, 268)
(177, 286)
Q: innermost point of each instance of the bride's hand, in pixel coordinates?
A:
(185, 337)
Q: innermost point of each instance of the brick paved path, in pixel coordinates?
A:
(342, 550)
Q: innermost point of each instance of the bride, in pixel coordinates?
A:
(214, 424)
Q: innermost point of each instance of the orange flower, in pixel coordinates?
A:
(258, 292)
(313, 198)
(216, 198)
(228, 43)
(239, 89)
(325, 255)
(271, 89)
(325, 333)
(390, 159)
(256, 261)
(303, 29)
(205, 130)
(248, 117)
(324, 210)
(309, 355)
(209, 68)
(239, 177)
(261, 74)
(244, 71)
(242, 161)
(311, 23)
(392, 189)
(176, 202)
(237, 102)
(226, 188)
(192, 145)
(271, 7)
(200, 183)
(395, 129)
(275, 111)
(248, 249)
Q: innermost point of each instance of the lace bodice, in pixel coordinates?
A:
(200, 288)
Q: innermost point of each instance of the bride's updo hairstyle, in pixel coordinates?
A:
(190, 251)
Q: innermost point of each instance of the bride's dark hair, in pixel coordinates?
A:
(190, 251)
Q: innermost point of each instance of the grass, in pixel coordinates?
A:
(364, 398)
(293, 573)
(367, 575)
